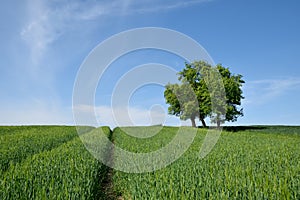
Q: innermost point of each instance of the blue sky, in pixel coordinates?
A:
(43, 44)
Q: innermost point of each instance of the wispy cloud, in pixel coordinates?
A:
(36, 112)
(45, 27)
(259, 92)
(40, 31)
(157, 5)
(90, 10)
(48, 20)
(129, 116)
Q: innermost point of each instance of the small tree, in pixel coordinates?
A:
(196, 75)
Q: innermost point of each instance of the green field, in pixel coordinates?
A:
(51, 162)
(48, 163)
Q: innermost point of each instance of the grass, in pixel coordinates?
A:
(68, 171)
(18, 143)
(51, 162)
(250, 164)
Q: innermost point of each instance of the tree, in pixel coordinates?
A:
(224, 89)
(183, 101)
(233, 88)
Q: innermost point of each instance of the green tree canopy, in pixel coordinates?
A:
(193, 97)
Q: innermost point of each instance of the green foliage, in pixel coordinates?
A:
(232, 84)
(217, 90)
(251, 164)
(68, 171)
(182, 99)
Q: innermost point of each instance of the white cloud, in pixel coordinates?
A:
(36, 113)
(40, 31)
(48, 20)
(259, 92)
(91, 9)
(157, 5)
(129, 116)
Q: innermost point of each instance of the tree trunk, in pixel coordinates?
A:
(203, 122)
(218, 123)
(193, 122)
